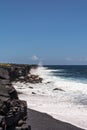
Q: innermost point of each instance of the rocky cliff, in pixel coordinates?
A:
(13, 111)
(20, 72)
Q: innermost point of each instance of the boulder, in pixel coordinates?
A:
(2, 121)
(4, 74)
(59, 89)
(8, 91)
(13, 112)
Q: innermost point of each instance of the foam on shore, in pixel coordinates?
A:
(69, 105)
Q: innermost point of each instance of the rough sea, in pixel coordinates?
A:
(62, 94)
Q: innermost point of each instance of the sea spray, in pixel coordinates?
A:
(69, 105)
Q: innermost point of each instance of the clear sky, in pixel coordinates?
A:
(47, 31)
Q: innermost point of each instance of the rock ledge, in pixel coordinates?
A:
(13, 112)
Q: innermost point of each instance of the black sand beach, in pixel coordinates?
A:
(42, 121)
(13, 112)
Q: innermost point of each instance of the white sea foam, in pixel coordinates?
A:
(69, 105)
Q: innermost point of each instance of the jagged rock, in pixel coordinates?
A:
(34, 79)
(33, 93)
(58, 89)
(18, 128)
(48, 82)
(3, 108)
(21, 122)
(4, 74)
(25, 127)
(12, 92)
(12, 110)
(30, 87)
(17, 110)
(17, 72)
(8, 91)
(4, 81)
(2, 121)
(14, 72)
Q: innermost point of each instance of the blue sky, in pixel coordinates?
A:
(47, 31)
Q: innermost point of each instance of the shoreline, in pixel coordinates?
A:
(43, 121)
(46, 110)
(58, 111)
(57, 107)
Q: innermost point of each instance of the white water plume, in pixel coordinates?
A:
(67, 103)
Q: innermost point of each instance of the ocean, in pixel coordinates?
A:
(73, 72)
(62, 94)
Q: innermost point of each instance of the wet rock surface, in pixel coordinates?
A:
(59, 89)
(20, 73)
(31, 79)
(16, 72)
(13, 112)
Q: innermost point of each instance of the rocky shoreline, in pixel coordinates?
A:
(14, 114)
(13, 111)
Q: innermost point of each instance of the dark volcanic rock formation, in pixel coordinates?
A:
(16, 71)
(13, 112)
(19, 73)
(59, 89)
(33, 79)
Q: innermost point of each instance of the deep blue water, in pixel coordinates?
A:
(74, 72)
